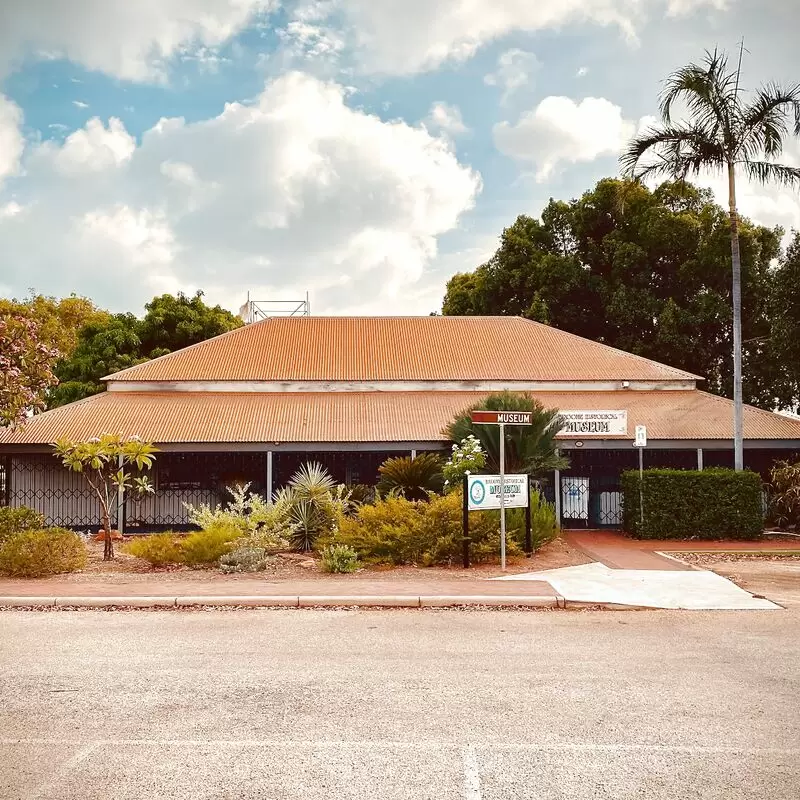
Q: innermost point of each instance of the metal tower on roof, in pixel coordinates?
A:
(255, 310)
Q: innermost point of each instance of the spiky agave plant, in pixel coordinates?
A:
(413, 478)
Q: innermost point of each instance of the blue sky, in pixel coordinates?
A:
(361, 150)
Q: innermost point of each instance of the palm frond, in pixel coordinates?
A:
(709, 90)
(768, 172)
(765, 122)
(678, 150)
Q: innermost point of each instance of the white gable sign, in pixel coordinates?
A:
(593, 423)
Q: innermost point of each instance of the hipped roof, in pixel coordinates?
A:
(399, 349)
(209, 417)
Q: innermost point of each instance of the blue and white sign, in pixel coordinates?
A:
(483, 492)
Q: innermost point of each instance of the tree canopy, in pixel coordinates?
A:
(26, 364)
(645, 271)
(117, 341)
(58, 321)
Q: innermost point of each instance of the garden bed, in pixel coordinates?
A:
(306, 567)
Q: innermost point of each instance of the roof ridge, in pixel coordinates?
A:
(676, 370)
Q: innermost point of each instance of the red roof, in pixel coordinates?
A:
(399, 349)
(267, 417)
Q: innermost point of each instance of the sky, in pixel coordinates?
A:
(362, 151)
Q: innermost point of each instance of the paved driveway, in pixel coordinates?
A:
(399, 704)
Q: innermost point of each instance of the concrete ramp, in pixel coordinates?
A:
(690, 589)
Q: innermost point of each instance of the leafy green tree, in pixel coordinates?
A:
(102, 461)
(119, 341)
(784, 341)
(645, 271)
(173, 322)
(528, 448)
(723, 133)
(103, 347)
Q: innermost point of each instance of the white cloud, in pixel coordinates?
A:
(288, 194)
(418, 35)
(446, 118)
(130, 40)
(80, 104)
(676, 8)
(561, 130)
(94, 148)
(767, 205)
(11, 140)
(514, 70)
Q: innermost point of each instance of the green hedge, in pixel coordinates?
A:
(683, 504)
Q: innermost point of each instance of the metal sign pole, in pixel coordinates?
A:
(502, 496)
(641, 487)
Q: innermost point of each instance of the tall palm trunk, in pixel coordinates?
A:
(738, 424)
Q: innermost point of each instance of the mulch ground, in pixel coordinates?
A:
(305, 567)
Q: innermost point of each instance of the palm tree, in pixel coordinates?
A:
(528, 448)
(723, 132)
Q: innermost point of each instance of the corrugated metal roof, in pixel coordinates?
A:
(204, 417)
(398, 349)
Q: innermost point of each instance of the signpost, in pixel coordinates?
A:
(503, 418)
(640, 443)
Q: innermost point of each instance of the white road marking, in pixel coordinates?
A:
(68, 766)
(472, 778)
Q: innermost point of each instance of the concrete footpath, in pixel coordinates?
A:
(624, 573)
(143, 591)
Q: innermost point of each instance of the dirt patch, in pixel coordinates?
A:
(710, 560)
(128, 570)
(774, 577)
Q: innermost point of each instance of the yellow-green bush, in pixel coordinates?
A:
(399, 531)
(199, 549)
(37, 553)
(21, 518)
(205, 547)
(160, 549)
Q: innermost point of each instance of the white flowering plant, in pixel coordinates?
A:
(466, 458)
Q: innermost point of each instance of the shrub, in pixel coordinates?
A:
(399, 531)
(15, 520)
(785, 494)
(267, 525)
(205, 547)
(360, 494)
(544, 527)
(244, 559)
(413, 478)
(708, 504)
(467, 458)
(160, 549)
(339, 558)
(37, 553)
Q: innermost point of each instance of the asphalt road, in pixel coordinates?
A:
(382, 705)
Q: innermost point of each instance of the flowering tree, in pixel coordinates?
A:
(26, 368)
(467, 457)
(102, 461)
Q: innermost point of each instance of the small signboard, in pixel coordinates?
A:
(593, 423)
(502, 417)
(483, 491)
(641, 436)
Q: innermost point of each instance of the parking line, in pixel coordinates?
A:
(472, 779)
